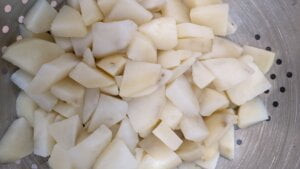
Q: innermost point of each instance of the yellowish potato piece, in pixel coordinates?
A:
(25, 33)
(177, 10)
(153, 5)
(131, 10)
(25, 107)
(113, 65)
(202, 77)
(112, 90)
(90, 12)
(194, 128)
(88, 58)
(171, 115)
(66, 110)
(64, 43)
(90, 77)
(68, 23)
(203, 45)
(195, 3)
(106, 5)
(190, 30)
(214, 16)
(81, 44)
(226, 144)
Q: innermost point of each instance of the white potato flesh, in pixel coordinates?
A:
(181, 69)
(114, 129)
(65, 132)
(88, 58)
(138, 76)
(144, 112)
(139, 154)
(190, 151)
(30, 54)
(224, 48)
(69, 91)
(162, 156)
(190, 30)
(218, 124)
(64, 43)
(90, 77)
(59, 117)
(231, 27)
(59, 158)
(112, 90)
(262, 58)
(214, 16)
(85, 154)
(209, 164)
(113, 65)
(251, 113)
(171, 115)
(142, 49)
(226, 144)
(66, 110)
(109, 111)
(112, 37)
(229, 72)
(68, 23)
(194, 3)
(177, 10)
(25, 107)
(90, 12)
(39, 18)
(255, 85)
(182, 96)
(45, 100)
(74, 4)
(203, 45)
(211, 101)
(153, 5)
(52, 72)
(106, 5)
(82, 43)
(117, 150)
(167, 136)
(43, 141)
(202, 77)
(186, 165)
(131, 10)
(169, 59)
(17, 142)
(91, 100)
(118, 80)
(162, 31)
(194, 128)
(25, 33)
(127, 134)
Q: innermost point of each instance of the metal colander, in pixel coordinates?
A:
(270, 24)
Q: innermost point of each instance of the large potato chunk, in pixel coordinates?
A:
(127, 134)
(106, 5)
(189, 30)
(113, 65)
(85, 154)
(202, 77)
(171, 115)
(214, 16)
(228, 72)
(129, 9)
(144, 111)
(182, 96)
(43, 141)
(17, 142)
(177, 10)
(251, 113)
(52, 72)
(142, 49)
(81, 44)
(255, 85)
(69, 91)
(162, 32)
(226, 144)
(68, 23)
(116, 156)
(30, 54)
(193, 128)
(90, 11)
(109, 111)
(112, 37)
(90, 77)
(138, 76)
(65, 132)
(25, 107)
(264, 59)
(39, 17)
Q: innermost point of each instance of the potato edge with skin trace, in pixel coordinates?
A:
(150, 83)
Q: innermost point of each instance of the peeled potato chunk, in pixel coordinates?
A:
(68, 23)
(177, 10)
(39, 17)
(112, 37)
(90, 12)
(214, 16)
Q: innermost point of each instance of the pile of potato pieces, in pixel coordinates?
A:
(132, 84)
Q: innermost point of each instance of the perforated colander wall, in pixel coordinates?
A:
(269, 24)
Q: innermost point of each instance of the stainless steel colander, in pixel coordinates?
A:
(270, 24)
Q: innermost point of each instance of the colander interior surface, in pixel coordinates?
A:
(270, 24)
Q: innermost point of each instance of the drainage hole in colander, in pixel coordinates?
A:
(257, 37)
(289, 74)
(278, 61)
(282, 89)
(267, 91)
(273, 76)
(268, 48)
(275, 104)
(239, 142)
(269, 118)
